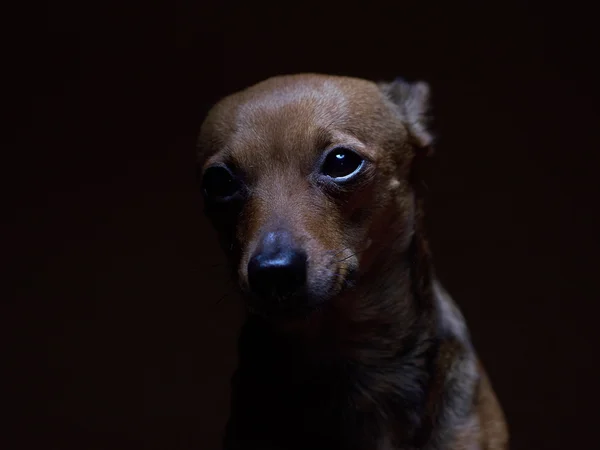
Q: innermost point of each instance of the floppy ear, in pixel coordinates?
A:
(412, 102)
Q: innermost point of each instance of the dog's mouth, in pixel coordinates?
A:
(299, 305)
(307, 301)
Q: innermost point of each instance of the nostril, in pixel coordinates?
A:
(277, 274)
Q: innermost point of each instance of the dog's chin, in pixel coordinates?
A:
(297, 309)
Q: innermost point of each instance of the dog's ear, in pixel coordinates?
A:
(412, 103)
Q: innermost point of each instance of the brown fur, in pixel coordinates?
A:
(387, 338)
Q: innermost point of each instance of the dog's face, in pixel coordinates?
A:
(306, 179)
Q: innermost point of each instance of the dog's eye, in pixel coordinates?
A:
(341, 163)
(219, 183)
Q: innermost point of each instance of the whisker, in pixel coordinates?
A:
(337, 252)
(341, 251)
(230, 285)
(223, 297)
(352, 255)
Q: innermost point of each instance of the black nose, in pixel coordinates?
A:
(277, 269)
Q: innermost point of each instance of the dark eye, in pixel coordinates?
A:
(341, 163)
(219, 183)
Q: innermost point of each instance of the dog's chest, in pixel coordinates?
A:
(295, 405)
(322, 415)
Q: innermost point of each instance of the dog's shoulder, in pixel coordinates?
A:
(467, 413)
(451, 322)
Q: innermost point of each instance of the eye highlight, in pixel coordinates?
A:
(218, 183)
(341, 164)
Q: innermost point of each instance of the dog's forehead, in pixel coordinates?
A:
(296, 116)
(305, 97)
(296, 107)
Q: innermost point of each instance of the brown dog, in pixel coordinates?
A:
(350, 341)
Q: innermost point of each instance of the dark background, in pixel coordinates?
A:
(110, 334)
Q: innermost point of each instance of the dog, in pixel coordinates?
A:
(350, 341)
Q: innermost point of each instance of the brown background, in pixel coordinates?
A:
(110, 335)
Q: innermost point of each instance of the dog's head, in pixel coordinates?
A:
(307, 180)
